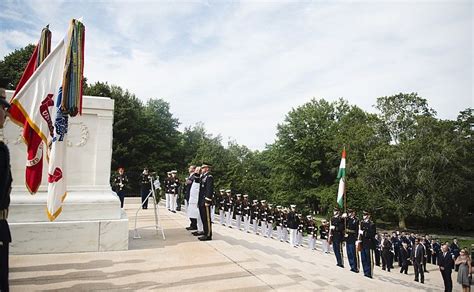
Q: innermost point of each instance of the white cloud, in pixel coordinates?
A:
(241, 66)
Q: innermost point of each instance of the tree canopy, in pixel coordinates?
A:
(403, 163)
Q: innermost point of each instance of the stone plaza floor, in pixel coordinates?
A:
(233, 260)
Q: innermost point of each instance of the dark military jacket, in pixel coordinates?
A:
(324, 231)
(352, 229)
(120, 182)
(255, 212)
(292, 220)
(368, 234)
(145, 182)
(228, 203)
(174, 185)
(338, 231)
(5, 190)
(312, 229)
(206, 189)
(246, 208)
(238, 207)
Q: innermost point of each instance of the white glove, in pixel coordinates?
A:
(333, 227)
(361, 232)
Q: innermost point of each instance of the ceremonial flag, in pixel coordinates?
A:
(34, 144)
(41, 102)
(341, 176)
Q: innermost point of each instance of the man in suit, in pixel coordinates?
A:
(404, 258)
(206, 191)
(417, 255)
(187, 190)
(5, 189)
(446, 263)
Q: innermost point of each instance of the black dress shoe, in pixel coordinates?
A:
(204, 238)
(191, 228)
(197, 233)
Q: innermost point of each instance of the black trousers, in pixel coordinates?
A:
(419, 274)
(205, 213)
(377, 257)
(4, 266)
(448, 282)
(404, 268)
(193, 223)
(434, 257)
(386, 259)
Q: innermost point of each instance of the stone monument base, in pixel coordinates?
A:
(89, 222)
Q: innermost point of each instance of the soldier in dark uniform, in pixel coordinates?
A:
(119, 184)
(238, 211)
(255, 215)
(352, 232)
(167, 188)
(228, 208)
(145, 187)
(270, 220)
(174, 190)
(284, 228)
(312, 231)
(337, 236)
(324, 235)
(300, 230)
(5, 189)
(206, 191)
(246, 212)
(263, 217)
(221, 205)
(279, 222)
(293, 222)
(367, 231)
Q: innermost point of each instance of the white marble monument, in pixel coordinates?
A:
(92, 219)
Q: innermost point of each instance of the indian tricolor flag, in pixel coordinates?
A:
(341, 175)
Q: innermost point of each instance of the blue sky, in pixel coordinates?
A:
(239, 67)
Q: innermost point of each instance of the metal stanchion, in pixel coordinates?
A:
(155, 184)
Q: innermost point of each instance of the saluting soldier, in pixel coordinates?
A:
(367, 232)
(246, 212)
(238, 211)
(167, 186)
(293, 223)
(120, 182)
(279, 222)
(221, 201)
(270, 220)
(300, 230)
(284, 228)
(312, 231)
(255, 215)
(337, 235)
(228, 208)
(206, 191)
(263, 217)
(324, 233)
(145, 187)
(352, 232)
(174, 190)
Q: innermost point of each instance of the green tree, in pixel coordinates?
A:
(13, 65)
